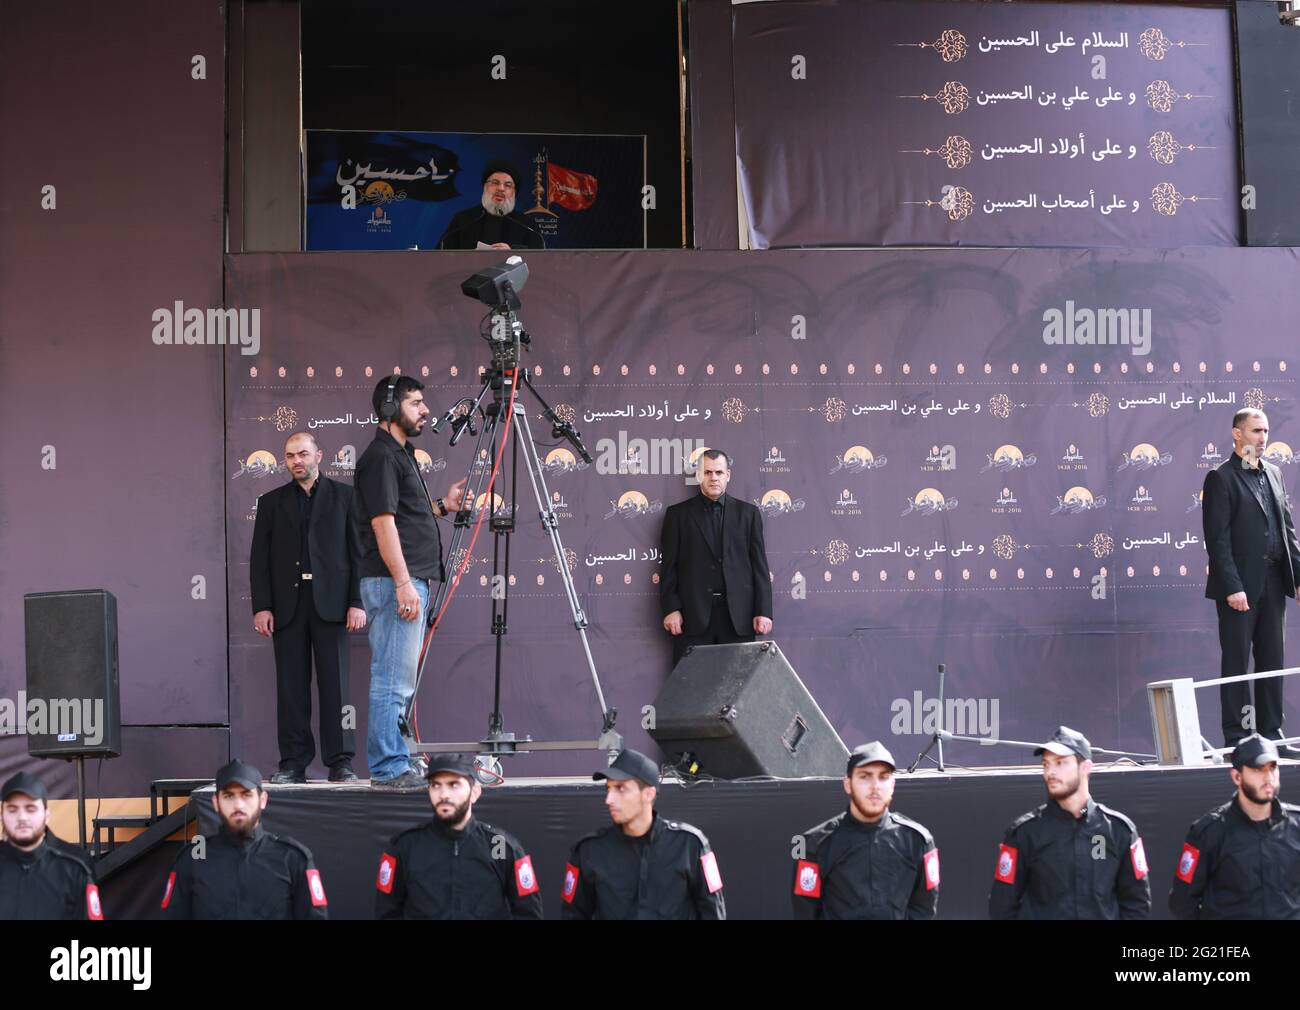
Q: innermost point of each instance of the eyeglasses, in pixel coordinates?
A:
(494, 184)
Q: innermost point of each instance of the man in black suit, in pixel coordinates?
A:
(715, 587)
(305, 571)
(495, 222)
(1254, 562)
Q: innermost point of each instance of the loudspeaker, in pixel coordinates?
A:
(741, 710)
(73, 704)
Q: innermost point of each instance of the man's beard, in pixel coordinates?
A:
(250, 825)
(411, 428)
(1071, 786)
(455, 817)
(33, 839)
(1255, 796)
(498, 209)
(861, 808)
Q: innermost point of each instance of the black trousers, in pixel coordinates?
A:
(719, 632)
(1259, 629)
(305, 635)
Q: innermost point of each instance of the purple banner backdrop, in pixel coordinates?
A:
(986, 124)
(111, 442)
(949, 472)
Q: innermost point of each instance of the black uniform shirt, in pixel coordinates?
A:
(888, 869)
(258, 877)
(435, 872)
(668, 873)
(1232, 867)
(51, 881)
(1053, 865)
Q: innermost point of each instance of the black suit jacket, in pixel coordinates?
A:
(691, 567)
(1232, 516)
(275, 560)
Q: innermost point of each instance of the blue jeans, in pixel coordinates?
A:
(394, 656)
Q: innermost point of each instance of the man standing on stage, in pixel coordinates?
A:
(305, 569)
(1242, 860)
(401, 559)
(868, 862)
(1071, 858)
(243, 871)
(643, 866)
(715, 587)
(40, 876)
(496, 223)
(1254, 565)
(456, 866)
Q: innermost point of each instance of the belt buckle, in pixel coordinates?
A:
(306, 576)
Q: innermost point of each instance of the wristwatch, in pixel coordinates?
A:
(442, 507)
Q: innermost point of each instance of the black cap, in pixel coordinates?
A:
(27, 784)
(238, 771)
(1066, 741)
(869, 753)
(631, 764)
(500, 165)
(457, 764)
(1253, 752)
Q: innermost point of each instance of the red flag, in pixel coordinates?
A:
(571, 190)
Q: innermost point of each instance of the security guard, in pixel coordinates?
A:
(243, 871)
(1071, 858)
(456, 866)
(1242, 860)
(644, 866)
(868, 862)
(41, 877)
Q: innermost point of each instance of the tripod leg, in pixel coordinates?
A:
(549, 523)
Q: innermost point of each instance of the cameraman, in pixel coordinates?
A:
(401, 557)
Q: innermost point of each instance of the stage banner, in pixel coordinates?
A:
(381, 190)
(982, 458)
(1061, 124)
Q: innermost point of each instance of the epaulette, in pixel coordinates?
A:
(1025, 818)
(916, 826)
(1119, 816)
(292, 843)
(689, 828)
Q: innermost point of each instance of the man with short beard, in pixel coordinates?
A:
(869, 862)
(1071, 858)
(456, 866)
(243, 871)
(41, 877)
(1242, 860)
(401, 558)
(643, 866)
(495, 222)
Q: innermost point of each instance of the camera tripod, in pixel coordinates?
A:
(504, 379)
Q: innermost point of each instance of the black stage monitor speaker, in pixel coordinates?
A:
(741, 710)
(73, 705)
